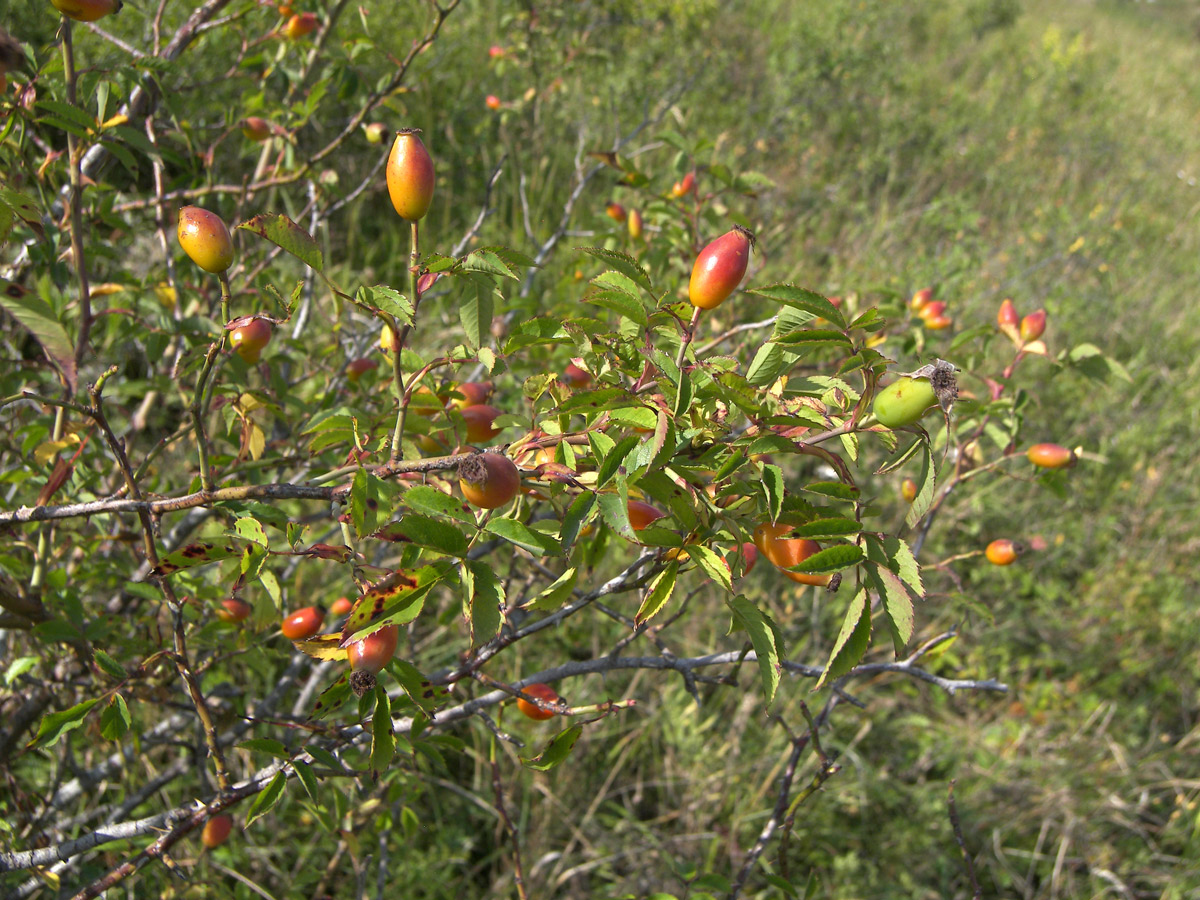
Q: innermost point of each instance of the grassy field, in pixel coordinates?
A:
(1045, 152)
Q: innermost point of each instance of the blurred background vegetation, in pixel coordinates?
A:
(1045, 151)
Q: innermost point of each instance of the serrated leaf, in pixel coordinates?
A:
(426, 532)
(904, 564)
(897, 605)
(812, 336)
(289, 237)
(38, 318)
(266, 799)
(485, 598)
(115, 720)
(430, 501)
(383, 740)
(108, 665)
(613, 460)
(658, 592)
(395, 600)
(578, 513)
(831, 559)
(371, 501)
(489, 261)
(54, 725)
(802, 299)
(926, 480)
(713, 564)
(852, 640)
(827, 528)
(766, 639)
(556, 751)
(623, 263)
(623, 304)
(385, 299)
(475, 311)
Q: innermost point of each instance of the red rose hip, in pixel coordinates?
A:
(719, 268)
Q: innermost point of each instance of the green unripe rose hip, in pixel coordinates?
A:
(904, 401)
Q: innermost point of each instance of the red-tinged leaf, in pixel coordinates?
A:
(62, 471)
(328, 551)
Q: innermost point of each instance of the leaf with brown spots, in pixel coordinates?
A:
(332, 697)
(396, 600)
(198, 554)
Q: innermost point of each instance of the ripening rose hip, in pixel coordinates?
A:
(341, 606)
(1051, 456)
(908, 490)
(1002, 552)
(642, 515)
(303, 623)
(216, 831)
(904, 401)
(299, 25)
(374, 651)
(87, 10)
(635, 224)
(1007, 316)
(205, 238)
(248, 340)
(616, 212)
(488, 480)
(719, 268)
(1033, 326)
(410, 175)
(357, 368)
(255, 128)
(920, 299)
(480, 417)
(782, 552)
(575, 376)
(542, 692)
(234, 610)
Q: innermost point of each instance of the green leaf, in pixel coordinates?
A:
(897, 605)
(831, 559)
(838, 490)
(82, 121)
(426, 532)
(623, 263)
(614, 291)
(852, 640)
(812, 336)
(765, 637)
(371, 502)
(55, 725)
(523, 536)
(802, 299)
(384, 299)
(578, 513)
(485, 597)
(383, 740)
(36, 315)
(772, 485)
(109, 666)
(115, 720)
(658, 592)
(713, 564)
(475, 311)
(430, 501)
(305, 774)
(827, 528)
(926, 480)
(15, 205)
(266, 799)
(554, 596)
(612, 462)
(266, 745)
(556, 751)
(288, 236)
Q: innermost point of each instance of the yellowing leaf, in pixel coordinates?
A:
(45, 452)
(103, 290)
(323, 646)
(165, 294)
